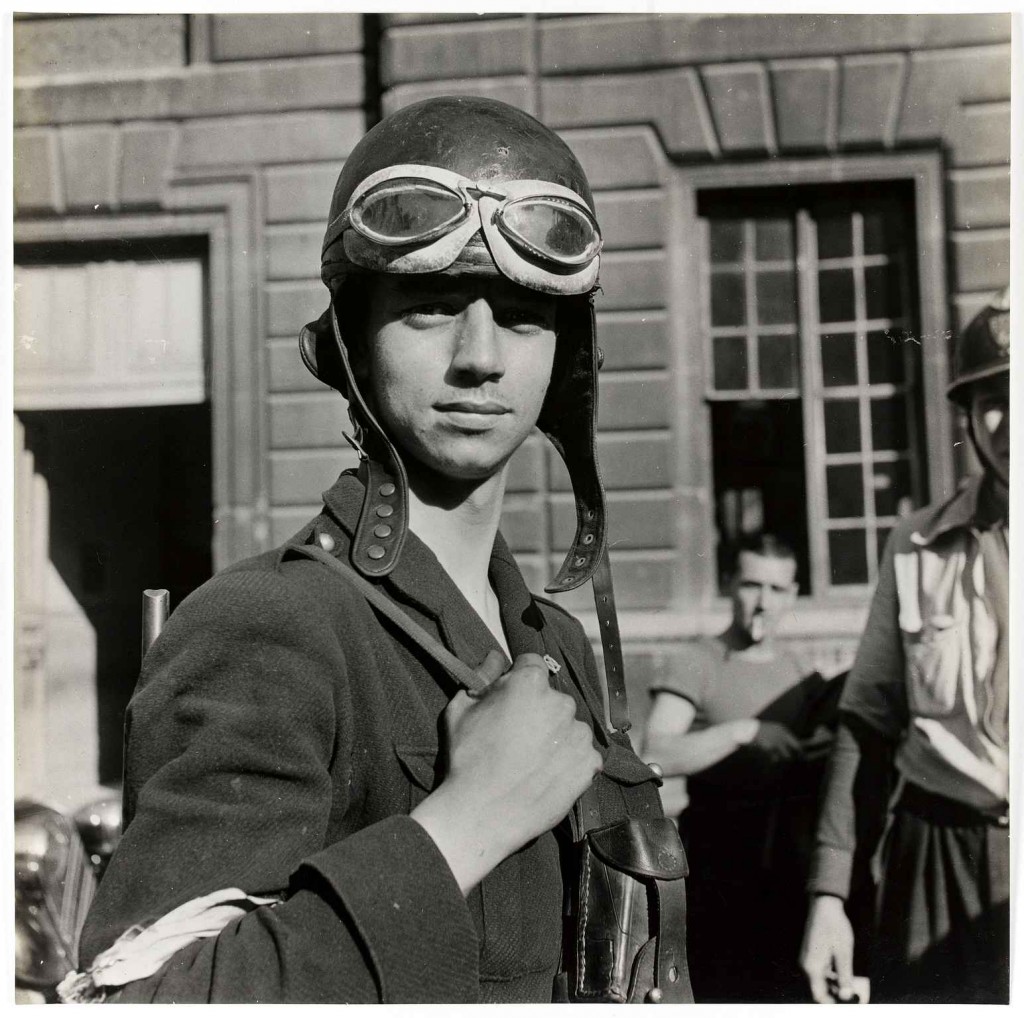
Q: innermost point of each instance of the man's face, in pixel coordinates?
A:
(456, 368)
(764, 588)
(990, 419)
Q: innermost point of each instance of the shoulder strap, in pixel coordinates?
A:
(458, 670)
(611, 645)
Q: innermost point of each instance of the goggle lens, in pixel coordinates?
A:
(406, 211)
(553, 229)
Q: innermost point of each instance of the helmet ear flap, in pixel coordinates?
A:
(320, 353)
(569, 420)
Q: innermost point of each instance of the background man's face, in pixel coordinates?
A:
(457, 367)
(990, 415)
(764, 588)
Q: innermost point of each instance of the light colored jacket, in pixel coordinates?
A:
(927, 669)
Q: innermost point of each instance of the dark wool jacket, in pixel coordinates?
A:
(280, 734)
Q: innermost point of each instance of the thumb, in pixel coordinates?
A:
(457, 706)
(492, 667)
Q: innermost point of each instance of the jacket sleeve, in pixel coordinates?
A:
(873, 714)
(231, 741)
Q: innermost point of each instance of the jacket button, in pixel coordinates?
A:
(375, 551)
(326, 542)
(382, 530)
(654, 996)
(387, 489)
(656, 768)
(384, 511)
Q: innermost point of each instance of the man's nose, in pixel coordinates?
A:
(478, 351)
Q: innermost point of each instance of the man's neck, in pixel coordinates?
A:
(459, 527)
(738, 642)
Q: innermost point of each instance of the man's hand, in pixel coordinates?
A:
(818, 744)
(775, 743)
(517, 761)
(826, 955)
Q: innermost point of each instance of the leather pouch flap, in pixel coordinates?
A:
(648, 848)
(625, 767)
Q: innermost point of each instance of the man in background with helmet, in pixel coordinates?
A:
(315, 811)
(929, 692)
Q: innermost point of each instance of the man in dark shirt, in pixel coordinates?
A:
(314, 811)
(743, 722)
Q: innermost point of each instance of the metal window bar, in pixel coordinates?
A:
(813, 404)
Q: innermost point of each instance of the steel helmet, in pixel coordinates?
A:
(982, 349)
(461, 184)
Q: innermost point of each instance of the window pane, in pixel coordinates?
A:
(778, 362)
(835, 295)
(776, 298)
(730, 355)
(848, 556)
(891, 482)
(883, 230)
(842, 425)
(845, 485)
(835, 239)
(774, 240)
(728, 302)
(882, 291)
(726, 240)
(839, 359)
(889, 423)
(885, 357)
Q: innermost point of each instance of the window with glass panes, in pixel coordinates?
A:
(814, 374)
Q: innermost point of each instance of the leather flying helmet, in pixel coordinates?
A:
(982, 349)
(466, 185)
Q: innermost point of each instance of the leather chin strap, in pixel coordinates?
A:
(575, 437)
(383, 519)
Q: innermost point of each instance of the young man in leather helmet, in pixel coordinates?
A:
(929, 692)
(315, 810)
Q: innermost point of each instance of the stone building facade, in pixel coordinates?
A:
(799, 210)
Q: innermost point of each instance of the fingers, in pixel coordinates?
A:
(819, 987)
(816, 963)
(457, 706)
(843, 958)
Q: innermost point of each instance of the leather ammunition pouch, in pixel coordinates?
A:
(627, 916)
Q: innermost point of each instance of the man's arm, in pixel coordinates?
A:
(240, 750)
(873, 713)
(232, 735)
(680, 752)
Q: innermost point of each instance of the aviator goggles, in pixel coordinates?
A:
(412, 218)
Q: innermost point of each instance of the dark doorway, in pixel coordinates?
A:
(130, 504)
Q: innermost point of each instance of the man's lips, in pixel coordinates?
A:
(465, 406)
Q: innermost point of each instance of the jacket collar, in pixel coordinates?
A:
(967, 509)
(419, 580)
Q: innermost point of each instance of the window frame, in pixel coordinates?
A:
(689, 318)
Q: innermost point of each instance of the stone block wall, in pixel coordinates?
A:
(144, 118)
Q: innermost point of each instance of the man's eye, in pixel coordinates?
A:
(522, 320)
(427, 314)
